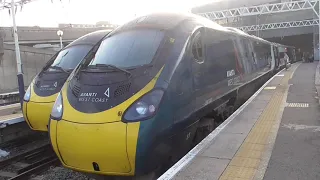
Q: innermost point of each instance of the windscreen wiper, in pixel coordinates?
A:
(111, 66)
(58, 68)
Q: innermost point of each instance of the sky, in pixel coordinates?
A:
(49, 14)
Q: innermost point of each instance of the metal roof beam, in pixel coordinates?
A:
(262, 9)
(281, 25)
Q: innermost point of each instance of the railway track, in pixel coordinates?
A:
(25, 164)
(22, 141)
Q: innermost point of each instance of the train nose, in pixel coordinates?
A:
(37, 114)
(37, 109)
(95, 148)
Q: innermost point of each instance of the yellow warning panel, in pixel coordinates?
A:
(233, 172)
(245, 162)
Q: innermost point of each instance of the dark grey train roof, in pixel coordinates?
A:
(246, 34)
(237, 30)
(167, 21)
(163, 21)
(90, 38)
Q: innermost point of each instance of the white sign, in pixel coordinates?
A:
(231, 73)
(107, 92)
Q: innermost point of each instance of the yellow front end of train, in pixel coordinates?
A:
(44, 89)
(96, 142)
(37, 109)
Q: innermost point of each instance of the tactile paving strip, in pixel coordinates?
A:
(246, 161)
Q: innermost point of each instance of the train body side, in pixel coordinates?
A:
(202, 79)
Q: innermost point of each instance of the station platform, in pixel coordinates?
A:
(274, 135)
(10, 114)
(12, 123)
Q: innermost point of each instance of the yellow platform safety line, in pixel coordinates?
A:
(246, 161)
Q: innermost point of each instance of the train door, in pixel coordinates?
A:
(217, 71)
(294, 55)
(290, 54)
(273, 57)
(281, 51)
(263, 54)
(223, 70)
(251, 62)
(182, 81)
(197, 50)
(188, 80)
(244, 51)
(276, 57)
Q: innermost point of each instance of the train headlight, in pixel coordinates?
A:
(142, 108)
(145, 107)
(57, 109)
(27, 95)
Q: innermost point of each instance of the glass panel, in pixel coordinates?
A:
(129, 49)
(69, 58)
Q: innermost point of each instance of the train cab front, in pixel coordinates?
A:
(95, 122)
(43, 90)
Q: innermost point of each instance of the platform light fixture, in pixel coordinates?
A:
(60, 34)
(17, 51)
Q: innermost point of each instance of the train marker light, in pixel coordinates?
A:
(27, 95)
(57, 109)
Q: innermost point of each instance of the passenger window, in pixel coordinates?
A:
(221, 56)
(197, 48)
(262, 52)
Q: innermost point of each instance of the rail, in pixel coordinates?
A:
(31, 162)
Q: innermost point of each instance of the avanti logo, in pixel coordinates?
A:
(88, 94)
(107, 92)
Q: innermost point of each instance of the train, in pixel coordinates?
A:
(280, 48)
(153, 89)
(44, 88)
(289, 50)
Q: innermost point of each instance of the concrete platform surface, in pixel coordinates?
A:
(10, 114)
(250, 145)
(11, 119)
(296, 153)
(10, 109)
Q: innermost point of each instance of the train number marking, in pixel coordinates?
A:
(231, 73)
(46, 88)
(107, 92)
(188, 136)
(84, 99)
(93, 99)
(208, 101)
(234, 81)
